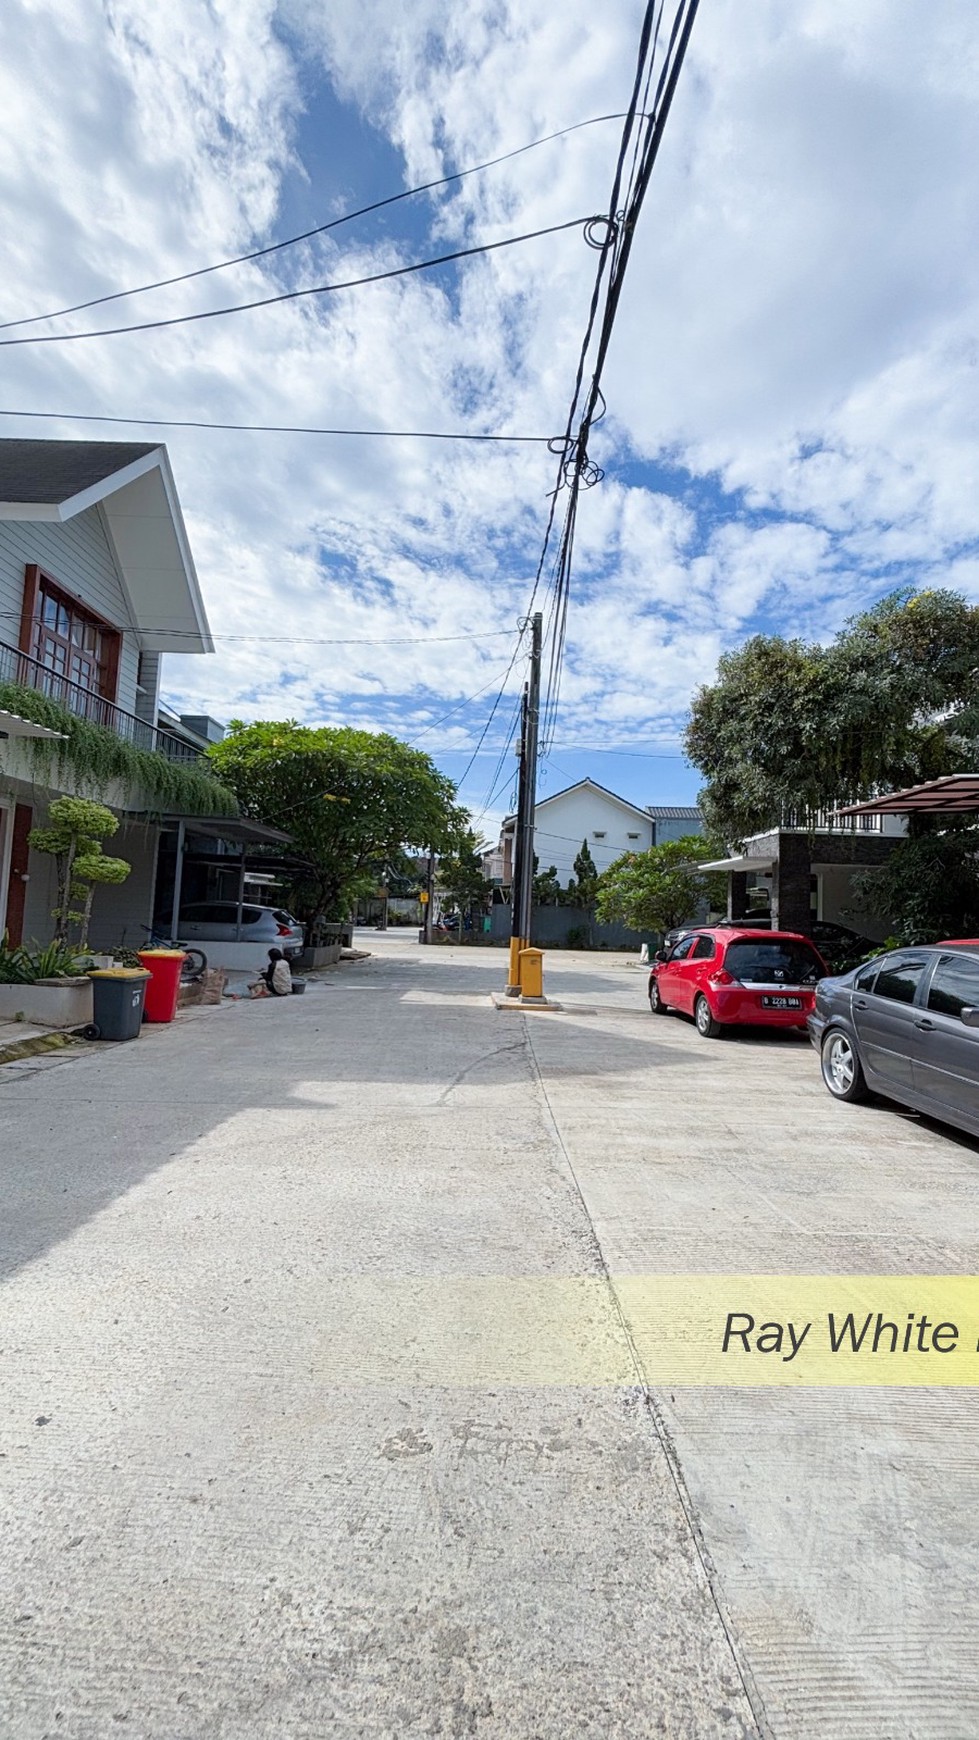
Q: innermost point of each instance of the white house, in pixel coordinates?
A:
(585, 811)
(96, 581)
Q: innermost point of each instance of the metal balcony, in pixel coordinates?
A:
(19, 667)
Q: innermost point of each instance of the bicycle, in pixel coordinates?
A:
(195, 960)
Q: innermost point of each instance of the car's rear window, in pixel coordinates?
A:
(758, 961)
(283, 918)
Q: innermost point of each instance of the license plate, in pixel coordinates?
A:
(781, 1002)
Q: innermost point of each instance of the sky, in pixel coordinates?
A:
(791, 387)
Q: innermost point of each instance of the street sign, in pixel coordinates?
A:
(423, 896)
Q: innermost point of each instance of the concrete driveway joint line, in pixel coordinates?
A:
(661, 1431)
(333, 1386)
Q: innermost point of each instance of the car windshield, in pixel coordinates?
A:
(781, 961)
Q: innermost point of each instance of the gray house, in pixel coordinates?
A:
(673, 821)
(97, 580)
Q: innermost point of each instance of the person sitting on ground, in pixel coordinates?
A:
(275, 980)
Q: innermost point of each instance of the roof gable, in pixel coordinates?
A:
(589, 785)
(132, 485)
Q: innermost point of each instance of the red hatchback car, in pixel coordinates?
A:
(726, 977)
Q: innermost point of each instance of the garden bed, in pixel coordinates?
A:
(49, 1003)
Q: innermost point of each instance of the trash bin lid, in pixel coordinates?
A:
(119, 973)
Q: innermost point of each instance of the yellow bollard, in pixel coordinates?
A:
(532, 973)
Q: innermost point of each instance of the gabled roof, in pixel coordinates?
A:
(51, 473)
(132, 485)
(592, 785)
(673, 812)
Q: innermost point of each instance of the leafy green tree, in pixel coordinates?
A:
(658, 889)
(929, 886)
(547, 887)
(460, 874)
(73, 837)
(350, 800)
(793, 727)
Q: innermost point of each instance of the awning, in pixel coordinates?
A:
(742, 863)
(237, 828)
(12, 725)
(956, 793)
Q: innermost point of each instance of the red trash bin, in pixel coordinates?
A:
(163, 985)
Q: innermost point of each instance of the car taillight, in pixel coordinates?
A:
(721, 978)
(283, 930)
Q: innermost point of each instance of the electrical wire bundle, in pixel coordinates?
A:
(612, 235)
(641, 138)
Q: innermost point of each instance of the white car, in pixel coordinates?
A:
(266, 926)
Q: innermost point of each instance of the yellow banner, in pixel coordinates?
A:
(663, 1330)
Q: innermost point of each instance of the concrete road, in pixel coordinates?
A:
(320, 1414)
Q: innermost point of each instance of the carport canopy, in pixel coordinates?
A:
(235, 830)
(742, 863)
(955, 794)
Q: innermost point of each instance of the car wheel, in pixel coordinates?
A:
(707, 1027)
(841, 1067)
(656, 1003)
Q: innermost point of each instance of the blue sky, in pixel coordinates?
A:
(791, 388)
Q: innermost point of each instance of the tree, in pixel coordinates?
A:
(460, 874)
(547, 887)
(350, 800)
(929, 886)
(658, 889)
(792, 728)
(73, 838)
(583, 890)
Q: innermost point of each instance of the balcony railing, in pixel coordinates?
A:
(19, 667)
(828, 822)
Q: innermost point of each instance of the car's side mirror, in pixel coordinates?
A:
(660, 955)
(970, 1017)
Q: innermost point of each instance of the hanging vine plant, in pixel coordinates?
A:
(97, 759)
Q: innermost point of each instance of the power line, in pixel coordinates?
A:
(311, 290)
(576, 470)
(296, 639)
(502, 689)
(469, 698)
(275, 428)
(637, 754)
(505, 750)
(305, 235)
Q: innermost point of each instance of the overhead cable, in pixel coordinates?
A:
(297, 639)
(305, 235)
(279, 428)
(310, 290)
(642, 134)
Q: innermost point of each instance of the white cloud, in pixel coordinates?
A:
(798, 339)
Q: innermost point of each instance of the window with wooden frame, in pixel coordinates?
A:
(68, 639)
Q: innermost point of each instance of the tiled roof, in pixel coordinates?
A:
(50, 472)
(673, 812)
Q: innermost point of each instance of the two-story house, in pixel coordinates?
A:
(610, 825)
(97, 581)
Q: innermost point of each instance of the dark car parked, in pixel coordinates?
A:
(840, 947)
(907, 1025)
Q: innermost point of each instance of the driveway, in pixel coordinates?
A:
(321, 1414)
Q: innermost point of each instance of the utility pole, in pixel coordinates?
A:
(516, 880)
(523, 869)
(431, 889)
